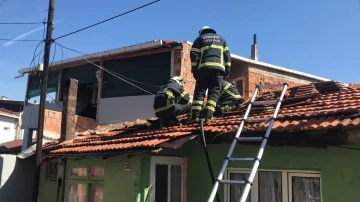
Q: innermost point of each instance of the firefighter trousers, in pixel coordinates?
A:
(206, 79)
(174, 111)
(226, 105)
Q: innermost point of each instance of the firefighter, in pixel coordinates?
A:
(171, 101)
(229, 98)
(210, 64)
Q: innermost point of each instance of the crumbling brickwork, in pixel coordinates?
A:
(52, 124)
(185, 71)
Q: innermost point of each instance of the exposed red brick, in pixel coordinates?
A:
(185, 70)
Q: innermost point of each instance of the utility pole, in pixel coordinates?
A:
(43, 85)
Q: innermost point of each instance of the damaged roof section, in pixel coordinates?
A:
(317, 107)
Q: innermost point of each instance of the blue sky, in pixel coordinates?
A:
(318, 37)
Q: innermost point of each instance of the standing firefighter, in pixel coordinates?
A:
(171, 101)
(229, 98)
(210, 63)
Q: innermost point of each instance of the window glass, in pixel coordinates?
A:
(175, 187)
(76, 193)
(79, 172)
(161, 183)
(97, 172)
(270, 187)
(306, 189)
(237, 189)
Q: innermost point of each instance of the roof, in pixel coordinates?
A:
(8, 113)
(12, 146)
(158, 43)
(314, 107)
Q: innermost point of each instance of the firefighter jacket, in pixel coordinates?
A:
(169, 95)
(210, 51)
(228, 93)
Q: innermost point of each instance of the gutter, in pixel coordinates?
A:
(283, 69)
(9, 115)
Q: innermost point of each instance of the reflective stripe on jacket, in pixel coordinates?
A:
(210, 50)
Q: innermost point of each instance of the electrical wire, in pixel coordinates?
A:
(104, 69)
(2, 2)
(127, 12)
(20, 40)
(20, 23)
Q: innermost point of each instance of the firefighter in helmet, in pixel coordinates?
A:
(210, 64)
(171, 101)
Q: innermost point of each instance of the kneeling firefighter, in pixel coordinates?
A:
(229, 98)
(172, 101)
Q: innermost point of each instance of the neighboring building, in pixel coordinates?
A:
(10, 119)
(148, 66)
(306, 158)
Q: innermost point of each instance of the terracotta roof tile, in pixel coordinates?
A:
(318, 106)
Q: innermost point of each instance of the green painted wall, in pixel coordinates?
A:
(340, 171)
(340, 168)
(119, 185)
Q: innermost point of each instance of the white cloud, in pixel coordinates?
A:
(27, 34)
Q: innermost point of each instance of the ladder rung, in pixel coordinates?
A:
(257, 120)
(241, 159)
(249, 139)
(265, 102)
(232, 181)
(270, 86)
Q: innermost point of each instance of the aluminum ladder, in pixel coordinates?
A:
(237, 138)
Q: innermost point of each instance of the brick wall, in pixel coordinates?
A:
(185, 70)
(256, 74)
(52, 124)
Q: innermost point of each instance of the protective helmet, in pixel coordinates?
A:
(179, 80)
(206, 28)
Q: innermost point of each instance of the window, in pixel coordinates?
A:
(51, 170)
(239, 84)
(276, 186)
(166, 176)
(84, 186)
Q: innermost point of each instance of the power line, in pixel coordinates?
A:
(3, 3)
(106, 70)
(20, 23)
(130, 11)
(20, 40)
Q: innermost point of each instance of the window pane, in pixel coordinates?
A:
(236, 190)
(98, 194)
(306, 189)
(76, 193)
(161, 183)
(96, 172)
(175, 187)
(80, 172)
(270, 187)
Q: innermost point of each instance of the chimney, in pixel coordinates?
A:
(69, 110)
(254, 50)
(4, 98)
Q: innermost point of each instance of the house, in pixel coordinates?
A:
(10, 119)
(113, 97)
(312, 155)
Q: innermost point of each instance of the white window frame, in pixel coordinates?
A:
(168, 160)
(243, 81)
(286, 177)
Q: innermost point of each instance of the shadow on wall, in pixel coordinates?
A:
(16, 178)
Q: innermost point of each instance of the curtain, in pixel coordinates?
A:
(270, 189)
(306, 189)
(175, 186)
(76, 193)
(236, 190)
